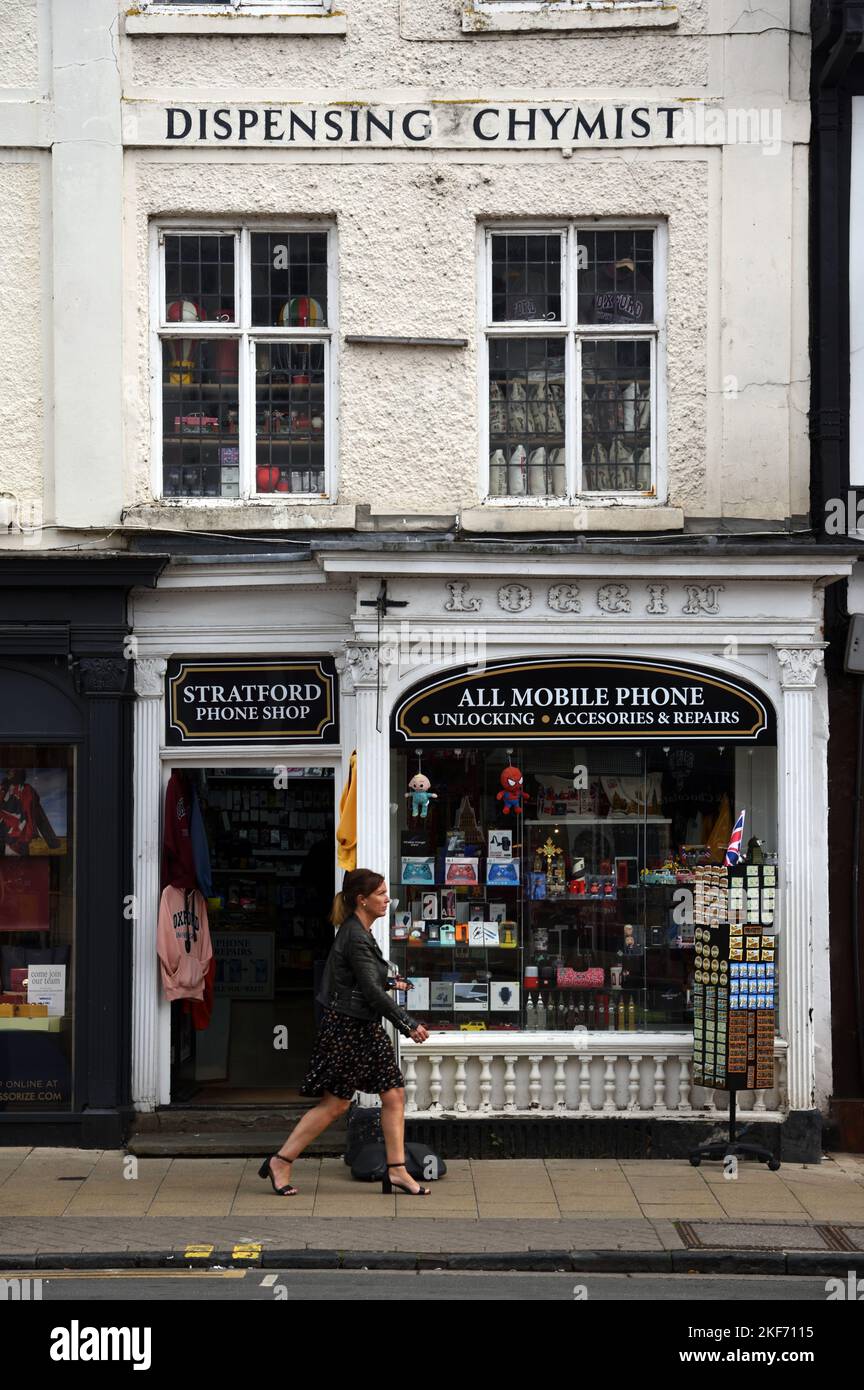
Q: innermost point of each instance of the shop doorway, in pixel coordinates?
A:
(271, 841)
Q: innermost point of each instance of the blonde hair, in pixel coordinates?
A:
(357, 883)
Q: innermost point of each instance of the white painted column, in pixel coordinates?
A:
(367, 664)
(147, 790)
(87, 256)
(799, 845)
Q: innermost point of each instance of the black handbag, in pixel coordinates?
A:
(364, 1128)
(370, 1164)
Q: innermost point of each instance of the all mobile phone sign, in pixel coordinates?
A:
(245, 702)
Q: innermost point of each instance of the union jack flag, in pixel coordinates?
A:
(733, 853)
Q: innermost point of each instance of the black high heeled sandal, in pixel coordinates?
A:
(266, 1172)
(388, 1186)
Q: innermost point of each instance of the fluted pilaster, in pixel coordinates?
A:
(370, 667)
(146, 999)
(800, 671)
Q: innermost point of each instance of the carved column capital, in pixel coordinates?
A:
(150, 677)
(368, 665)
(102, 675)
(800, 666)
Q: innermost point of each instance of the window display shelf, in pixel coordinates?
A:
(600, 820)
(32, 1025)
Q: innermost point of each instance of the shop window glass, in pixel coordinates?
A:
(289, 279)
(616, 415)
(572, 413)
(578, 911)
(245, 343)
(37, 927)
(289, 409)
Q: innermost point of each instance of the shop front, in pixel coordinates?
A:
(557, 809)
(247, 741)
(65, 848)
(549, 771)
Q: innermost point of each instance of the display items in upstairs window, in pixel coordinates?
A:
(512, 794)
(245, 343)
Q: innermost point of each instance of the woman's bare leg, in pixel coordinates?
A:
(393, 1127)
(313, 1123)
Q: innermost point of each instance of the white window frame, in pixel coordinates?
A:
(196, 7)
(247, 335)
(575, 334)
(480, 16)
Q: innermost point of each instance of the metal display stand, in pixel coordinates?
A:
(721, 1148)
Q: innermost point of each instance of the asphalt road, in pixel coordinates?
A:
(432, 1286)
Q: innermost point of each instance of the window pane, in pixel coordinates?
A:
(616, 416)
(199, 278)
(37, 927)
(593, 891)
(616, 277)
(289, 279)
(526, 417)
(289, 417)
(526, 277)
(200, 456)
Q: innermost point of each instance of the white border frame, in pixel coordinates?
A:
(601, 16)
(243, 330)
(232, 7)
(575, 334)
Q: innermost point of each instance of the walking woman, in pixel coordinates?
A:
(352, 1051)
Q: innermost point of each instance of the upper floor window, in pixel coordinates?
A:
(573, 326)
(244, 326)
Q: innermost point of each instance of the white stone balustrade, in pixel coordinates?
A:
(570, 1074)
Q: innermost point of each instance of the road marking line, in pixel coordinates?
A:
(251, 1250)
(268, 1281)
(127, 1274)
(198, 1252)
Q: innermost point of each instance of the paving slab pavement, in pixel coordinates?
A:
(102, 1202)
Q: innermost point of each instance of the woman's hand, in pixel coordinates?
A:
(420, 1034)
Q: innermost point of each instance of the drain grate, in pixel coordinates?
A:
(688, 1235)
(836, 1238)
(737, 1235)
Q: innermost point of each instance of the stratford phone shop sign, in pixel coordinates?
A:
(584, 698)
(248, 702)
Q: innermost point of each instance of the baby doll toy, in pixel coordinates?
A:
(420, 794)
(511, 793)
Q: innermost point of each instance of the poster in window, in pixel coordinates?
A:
(441, 996)
(418, 994)
(505, 998)
(33, 811)
(24, 900)
(471, 998)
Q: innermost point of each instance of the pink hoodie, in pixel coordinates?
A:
(183, 943)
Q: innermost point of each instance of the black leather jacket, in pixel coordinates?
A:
(355, 979)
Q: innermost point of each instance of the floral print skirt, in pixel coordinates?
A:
(351, 1055)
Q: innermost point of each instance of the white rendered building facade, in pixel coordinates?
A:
(384, 318)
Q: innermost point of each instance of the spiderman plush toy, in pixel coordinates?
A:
(511, 793)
